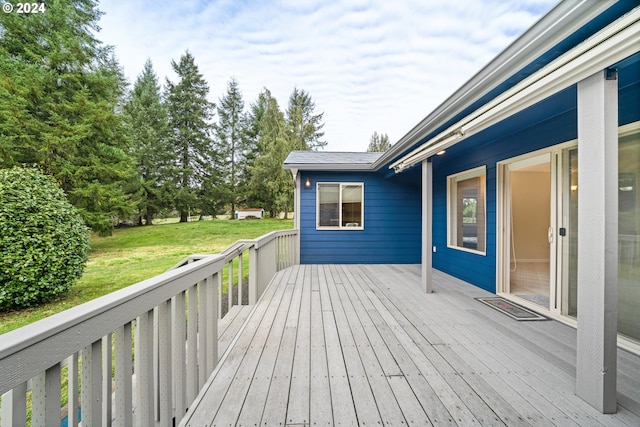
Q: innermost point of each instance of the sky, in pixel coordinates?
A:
(369, 65)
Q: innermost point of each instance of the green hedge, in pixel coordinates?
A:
(43, 240)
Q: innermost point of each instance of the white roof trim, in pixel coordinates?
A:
(329, 166)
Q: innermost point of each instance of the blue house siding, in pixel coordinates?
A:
(516, 136)
(548, 123)
(392, 222)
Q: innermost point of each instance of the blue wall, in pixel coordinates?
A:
(486, 149)
(545, 124)
(392, 227)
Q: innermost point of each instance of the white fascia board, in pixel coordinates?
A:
(331, 167)
(564, 19)
(613, 44)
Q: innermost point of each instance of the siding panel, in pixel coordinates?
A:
(391, 221)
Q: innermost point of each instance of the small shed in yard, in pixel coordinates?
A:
(250, 213)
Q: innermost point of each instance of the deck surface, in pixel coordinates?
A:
(362, 345)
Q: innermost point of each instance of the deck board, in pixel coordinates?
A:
(361, 344)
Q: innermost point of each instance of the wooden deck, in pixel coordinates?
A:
(362, 345)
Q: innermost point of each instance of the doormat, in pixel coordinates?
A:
(511, 309)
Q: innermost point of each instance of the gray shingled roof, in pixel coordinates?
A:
(330, 160)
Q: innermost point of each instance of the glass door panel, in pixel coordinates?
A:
(530, 234)
(569, 203)
(629, 236)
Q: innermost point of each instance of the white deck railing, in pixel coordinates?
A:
(162, 330)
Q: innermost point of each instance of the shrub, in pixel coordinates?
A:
(43, 240)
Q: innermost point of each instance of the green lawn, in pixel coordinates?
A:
(138, 253)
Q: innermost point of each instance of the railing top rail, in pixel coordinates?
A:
(240, 246)
(192, 258)
(263, 240)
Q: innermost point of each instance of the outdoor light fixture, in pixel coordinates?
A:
(441, 152)
(307, 183)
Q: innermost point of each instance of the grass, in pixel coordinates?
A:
(138, 253)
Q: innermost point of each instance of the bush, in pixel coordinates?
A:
(43, 240)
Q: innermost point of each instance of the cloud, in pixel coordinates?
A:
(368, 65)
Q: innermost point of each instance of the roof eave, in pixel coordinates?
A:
(330, 166)
(562, 20)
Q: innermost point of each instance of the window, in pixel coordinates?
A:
(340, 206)
(466, 210)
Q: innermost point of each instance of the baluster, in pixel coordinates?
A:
(45, 396)
(165, 389)
(212, 325)
(240, 278)
(14, 406)
(107, 375)
(192, 343)
(178, 347)
(73, 401)
(144, 369)
(230, 285)
(92, 384)
(219, 282)
(124, 396)
(202, 332)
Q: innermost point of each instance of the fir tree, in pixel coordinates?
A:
(304, 126)
(270, 183)
(232, 143)
(379, 142)
(60, 89)
(190, 115)
(147, 125)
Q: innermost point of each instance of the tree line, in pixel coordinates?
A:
(66, 109)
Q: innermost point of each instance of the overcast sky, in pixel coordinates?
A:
(368, 65)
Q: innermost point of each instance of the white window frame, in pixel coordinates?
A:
(452, 230)
(339, 226)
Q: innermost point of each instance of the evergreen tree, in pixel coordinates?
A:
(304, 127)
(270, 183)
(59, 93)
(147, 125)
(232, 141)
(254, 130)
(379, 142)
(190, 115)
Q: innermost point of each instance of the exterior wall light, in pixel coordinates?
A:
(307, 183)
